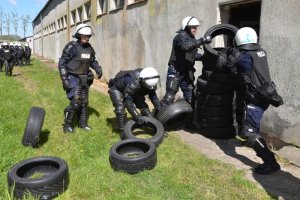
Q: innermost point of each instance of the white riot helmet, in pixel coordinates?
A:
(245, 35)
(149, 77)
(189, 21)
(83, 29)
(4, 44)
(26, 45)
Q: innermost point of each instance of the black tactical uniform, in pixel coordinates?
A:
(252, 72)
(74, 70)
(181, 66)
(126, 90)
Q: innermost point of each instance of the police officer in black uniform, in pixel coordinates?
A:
(74, 64)
(253, 71)
(182, 60)
(1, 58)
(27, 54)
(20, 55)
(7, 55)
(128, 89)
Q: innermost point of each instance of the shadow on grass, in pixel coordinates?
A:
(93, 111)
(43, 137)
(113, 124)
(280, 184)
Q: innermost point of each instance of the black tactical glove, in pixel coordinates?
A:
(66, 84)
(207, 39)
(99, 75)
(233, 56)
(139, 119)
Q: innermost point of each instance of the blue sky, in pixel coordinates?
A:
(22, 7)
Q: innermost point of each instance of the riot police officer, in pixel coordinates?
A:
(1, 58)
(182, 60)
(252, 71)
(74, 64)
(27, 53)
(7, 55)
(128, 89)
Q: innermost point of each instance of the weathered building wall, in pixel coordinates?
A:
(140, 35)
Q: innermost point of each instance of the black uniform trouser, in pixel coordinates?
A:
(79, 98)
(117, 99)
(176, 80)
(251, 133)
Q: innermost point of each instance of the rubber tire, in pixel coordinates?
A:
(120, 159)
(55, 178)
(150, 122)
(214, 100)
(219, 29)
(210, 87)
(228, 132)
(214, 122)
(217, 77)
(175, 115)
(33, 127)
(213, 111)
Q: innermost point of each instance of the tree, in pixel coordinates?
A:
(1, 20)
(7, 20)
(25, 21)
(15, 21)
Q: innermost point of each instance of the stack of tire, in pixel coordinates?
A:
(215, 91)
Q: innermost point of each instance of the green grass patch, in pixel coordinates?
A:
(181, 172)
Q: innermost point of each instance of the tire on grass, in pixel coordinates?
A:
(151, 127)
(41, 177)
(133, 155)
(33, 127)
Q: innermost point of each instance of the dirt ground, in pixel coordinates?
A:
(282, 185)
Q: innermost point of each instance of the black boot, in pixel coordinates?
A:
(69, 115)
(122, 121)
(84, 115)
(270, 164)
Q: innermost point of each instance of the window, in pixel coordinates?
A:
(102, 7)
(58, 24)
(134, 1)
(79, 15)
(73, 17)
(65, 21)
(87, 11)
(62, 22)
(115, 4)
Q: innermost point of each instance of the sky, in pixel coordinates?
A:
(23, 8)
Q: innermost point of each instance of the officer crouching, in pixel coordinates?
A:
(77, 57)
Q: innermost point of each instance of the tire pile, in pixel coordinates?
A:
(215, 92)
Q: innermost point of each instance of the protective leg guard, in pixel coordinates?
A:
(69, 113)
(270, 164)
(84, 115)
(146, 112)
(172, 87)
(121, 123)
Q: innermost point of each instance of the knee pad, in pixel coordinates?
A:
(172, 85)
(120, 110)
(75, 105)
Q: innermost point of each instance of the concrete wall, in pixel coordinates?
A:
(140, 35)
(280, 28)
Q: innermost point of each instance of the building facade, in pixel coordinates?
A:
(139, 33)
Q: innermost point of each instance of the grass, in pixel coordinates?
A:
(181, 172)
